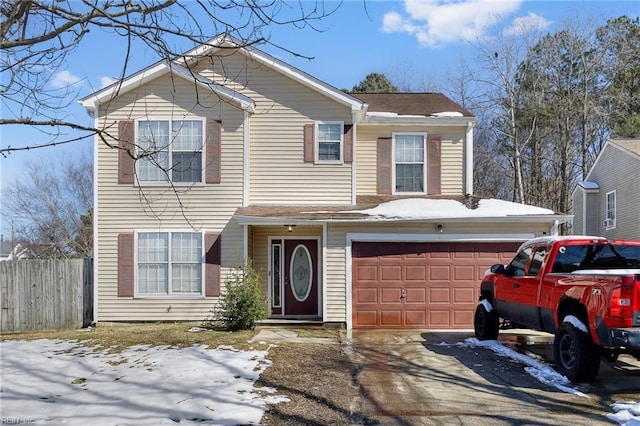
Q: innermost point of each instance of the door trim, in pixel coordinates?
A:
(320, 276)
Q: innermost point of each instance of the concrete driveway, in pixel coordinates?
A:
(424, 378)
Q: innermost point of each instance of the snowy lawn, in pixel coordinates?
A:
(61, 382)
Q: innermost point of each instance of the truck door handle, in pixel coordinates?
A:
(516, 285)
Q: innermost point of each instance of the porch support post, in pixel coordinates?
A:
(324, 271)
(245, 244)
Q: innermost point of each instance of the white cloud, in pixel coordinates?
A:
(106, 81)
(437, 22)
(524, 24)
(64, 79)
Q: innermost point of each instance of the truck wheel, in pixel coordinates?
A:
(485, 324)
(575, 354)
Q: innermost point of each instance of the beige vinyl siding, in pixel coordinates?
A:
(617, 170)
(452, 159)
(125, 208)
(278, 173)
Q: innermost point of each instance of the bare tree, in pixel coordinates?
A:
(51, 206)
(37, 38)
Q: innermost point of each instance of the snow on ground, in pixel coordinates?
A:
(58, 382)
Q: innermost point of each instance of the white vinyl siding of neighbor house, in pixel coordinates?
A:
(451, 160)
(616, 170)
(123, 208)
(278, 172)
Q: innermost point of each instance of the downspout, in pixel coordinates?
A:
(469, 159)
(96, 144)
(554, 228)
(245, 159)
(354, 138)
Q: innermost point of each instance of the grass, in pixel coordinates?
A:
(118, 337)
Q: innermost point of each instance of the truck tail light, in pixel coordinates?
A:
(623, 299)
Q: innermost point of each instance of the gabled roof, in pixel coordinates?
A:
(630, 145)
(180, 67)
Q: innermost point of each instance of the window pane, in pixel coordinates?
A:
(187, 135)
(153, 278)
(186, 247)
(187, 167)
(154, 168)
(153, 247)
(409, 178)
(329, 132)
(409, 149)
(186, 278)
(153, 136)
(329, 151)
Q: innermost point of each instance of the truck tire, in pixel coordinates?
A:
(485, 324)
(575, 354)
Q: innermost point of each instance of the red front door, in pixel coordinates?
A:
(301, 278)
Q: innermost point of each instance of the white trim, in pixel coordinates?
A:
(316, 142)
(424, 162)
(583, 231)
(354, 179)
(323, 272)
(169, 295)
(609, 223)
(245, 244)
(246, 158)
(469, 159)
(95, 221)
(386, 237)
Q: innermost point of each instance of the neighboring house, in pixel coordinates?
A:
(9, 251)
(607, 202)
(356, 208)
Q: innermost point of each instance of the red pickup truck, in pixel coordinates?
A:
(585, 290)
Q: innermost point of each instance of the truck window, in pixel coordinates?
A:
(519, 263)
(596, 256)
(536, 262)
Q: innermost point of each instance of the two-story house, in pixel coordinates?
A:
(607, 202)
(356, 208)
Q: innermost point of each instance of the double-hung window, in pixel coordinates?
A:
(329, 142)
(610, 221)
(170, 151)
(169, 263)
(409, 162)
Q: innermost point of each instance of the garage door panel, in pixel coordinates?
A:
(440, 282)
(390, 295)
(390, 273)
(416, 295)
(439, 273)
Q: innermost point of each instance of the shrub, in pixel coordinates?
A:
(242, 302)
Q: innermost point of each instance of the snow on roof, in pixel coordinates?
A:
(425, 208)
(447, 114)
(391, 114)
(588, 185)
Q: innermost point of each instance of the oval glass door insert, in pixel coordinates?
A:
(301, 273)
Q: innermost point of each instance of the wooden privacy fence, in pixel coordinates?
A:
(45, 294)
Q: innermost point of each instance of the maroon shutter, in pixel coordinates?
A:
(126, 164)
(348, 143)
(214, 151)
(384, 166)
(125, 265)
(212, 258)
(434, 166)
(309, 143)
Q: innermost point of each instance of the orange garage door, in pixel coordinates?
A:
(420, 285)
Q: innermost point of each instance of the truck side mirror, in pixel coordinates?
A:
(498, 268)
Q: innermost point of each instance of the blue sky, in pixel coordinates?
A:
(423, 40)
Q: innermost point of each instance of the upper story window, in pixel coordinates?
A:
(610, 220)
(169, 263)
(329, 142)
(409, 162)
(171, 151)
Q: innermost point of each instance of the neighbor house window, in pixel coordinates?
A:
(329, 142)
(170, 151)
(610, 221)
(169, 263)
(409, 162)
